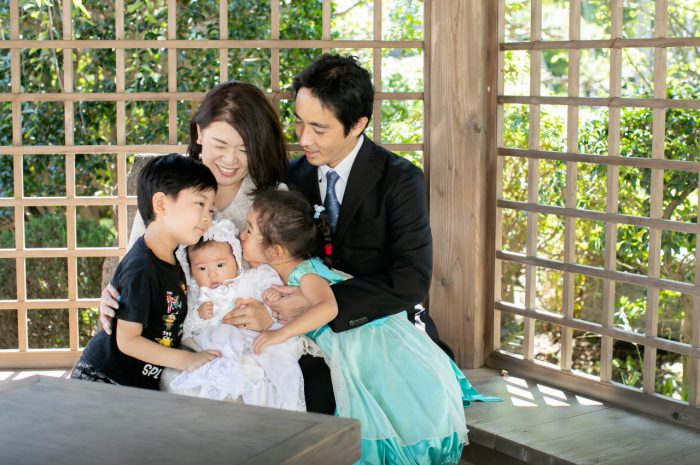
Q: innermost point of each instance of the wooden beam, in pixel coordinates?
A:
(457, 175)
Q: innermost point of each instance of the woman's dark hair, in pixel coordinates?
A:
(170, 174)
(286, 218)
(342, 85)
(246, 108)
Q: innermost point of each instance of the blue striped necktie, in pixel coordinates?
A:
(331, 203)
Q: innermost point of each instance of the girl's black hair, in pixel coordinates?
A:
(246, 108)
(286, 218)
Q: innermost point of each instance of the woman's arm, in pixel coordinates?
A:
(323, 309)
(132, 343)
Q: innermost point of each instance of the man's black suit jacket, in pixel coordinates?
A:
(382, 237)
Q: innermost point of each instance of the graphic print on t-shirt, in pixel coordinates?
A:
(174, 305)
(173, 302)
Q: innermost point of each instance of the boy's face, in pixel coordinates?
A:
(213, 264)
(252, 240)
(189, 214)
(321, 133)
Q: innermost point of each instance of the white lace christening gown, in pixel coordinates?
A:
(272, 379)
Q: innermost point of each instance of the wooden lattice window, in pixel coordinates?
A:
(597, 240)
(86, 85)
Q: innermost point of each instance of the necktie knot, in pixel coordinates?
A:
(331, 203)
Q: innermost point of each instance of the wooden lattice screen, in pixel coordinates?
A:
(372, 49)
(530, 211)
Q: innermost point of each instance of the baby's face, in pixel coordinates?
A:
(213, 264)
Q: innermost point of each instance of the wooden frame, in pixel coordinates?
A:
(602, 387)
(26, 357)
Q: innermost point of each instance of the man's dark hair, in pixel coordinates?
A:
(342, 85)
(250, 113)
(286, 218)
(170, 174)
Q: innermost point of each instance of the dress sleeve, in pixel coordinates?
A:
(193, 323)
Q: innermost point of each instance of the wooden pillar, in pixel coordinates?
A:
(461, 178)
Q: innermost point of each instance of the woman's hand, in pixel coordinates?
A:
(249, 314)
(267, 339)
(291, 304)
(197, 359)
(109, 303)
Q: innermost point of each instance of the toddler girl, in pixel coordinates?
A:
(271, 379)
(407, 394)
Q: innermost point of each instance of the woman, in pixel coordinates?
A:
(238, 135)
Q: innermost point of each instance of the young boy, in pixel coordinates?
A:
(175, 195)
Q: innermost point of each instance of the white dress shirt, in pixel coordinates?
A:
(343, 169)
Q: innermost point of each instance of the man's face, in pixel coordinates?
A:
(321, 133)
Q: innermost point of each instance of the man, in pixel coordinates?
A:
(376, 205)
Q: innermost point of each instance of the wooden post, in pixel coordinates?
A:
(462, 241)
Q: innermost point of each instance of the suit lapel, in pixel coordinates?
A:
(365, 173)
(308, 183)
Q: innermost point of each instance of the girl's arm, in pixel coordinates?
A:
(323, 309)
(130, 342)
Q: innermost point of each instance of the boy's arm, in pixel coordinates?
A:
(130, 342)
(323, 309)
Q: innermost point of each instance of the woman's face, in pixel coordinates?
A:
(224, 153)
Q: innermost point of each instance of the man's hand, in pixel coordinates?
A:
(267, 339)
(249, 314)
(206, 311)
(197, 359)
(109, 303)
(290, 305)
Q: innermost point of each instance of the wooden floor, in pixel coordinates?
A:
(542, 425)
(8, 375)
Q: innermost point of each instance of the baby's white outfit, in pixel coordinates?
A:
(272, 379)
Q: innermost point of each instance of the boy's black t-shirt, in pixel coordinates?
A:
(153, 293)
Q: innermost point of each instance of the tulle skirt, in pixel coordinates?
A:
(408, 395)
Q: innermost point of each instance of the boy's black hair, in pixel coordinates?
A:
(170, 174)
(286, 218)
(342, 85)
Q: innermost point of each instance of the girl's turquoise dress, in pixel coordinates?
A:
(408, 395)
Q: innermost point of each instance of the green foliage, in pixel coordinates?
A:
(48, 277)
(632, 244)
(146, 70)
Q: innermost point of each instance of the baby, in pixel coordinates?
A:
(216, 280)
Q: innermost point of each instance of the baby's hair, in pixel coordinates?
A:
(200, 245)
(285, 218)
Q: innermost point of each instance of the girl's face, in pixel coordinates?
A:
(224, 153)
(252, 240)
(213, 264)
